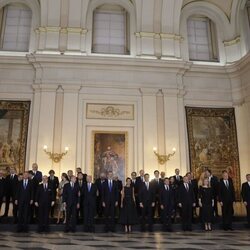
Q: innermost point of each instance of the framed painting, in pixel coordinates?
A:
(213, 143)
(110, 153)
(14, 120)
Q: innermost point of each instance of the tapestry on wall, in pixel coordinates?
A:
(14, 120)
(213, 142)
(110, 153)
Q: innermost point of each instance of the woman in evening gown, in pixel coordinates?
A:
(61, 206)
(206, 203)
(128, 215)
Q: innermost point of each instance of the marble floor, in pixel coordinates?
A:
(177, 240)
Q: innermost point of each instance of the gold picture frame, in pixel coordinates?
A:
(110, 153)
(14, 122)
(212, 137)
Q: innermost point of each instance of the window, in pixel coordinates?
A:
(110, 30)
(202, 41)
(15, 25)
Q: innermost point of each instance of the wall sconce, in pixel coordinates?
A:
(162, 159)
(55, 157)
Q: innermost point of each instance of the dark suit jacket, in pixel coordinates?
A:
(99, 184)
(54, 184)
(35, 184)
(89, 197)
(45, 197)
(71, 196)
(177, 182)
(185, 197)
(24, 196)
(38, 176)
(119, 185)
(146, 197)
(167, 198)
(2, 188)
(194, 183)
(157, 185)
(107, 196)
(11, 185)
(214, 185)
(226, 194)
(245, 192)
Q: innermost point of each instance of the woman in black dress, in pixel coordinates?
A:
(206, 203)
(128, 214)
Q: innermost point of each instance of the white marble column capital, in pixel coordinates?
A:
(149, 91)
(174, 92)
(45, 87)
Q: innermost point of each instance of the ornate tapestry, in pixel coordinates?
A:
(110, 153)
(213, 142)
(14, 120)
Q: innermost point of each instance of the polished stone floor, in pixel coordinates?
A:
(177, 240)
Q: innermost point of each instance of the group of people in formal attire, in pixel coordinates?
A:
(139, 201)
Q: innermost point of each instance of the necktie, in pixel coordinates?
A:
(110, 185)
(25, 184)
(72, 186)
(147, 185)
(89, 187)
(12, 176)
(227, 185)
(80, 182)
(187, 188)
(166, 187)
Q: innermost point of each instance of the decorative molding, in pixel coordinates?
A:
(159, 35)
(171, 36)
(64, 30)
(232, 42)
(110, 111)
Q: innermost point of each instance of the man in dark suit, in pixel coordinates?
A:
(89, 191)
(177, 177)
(136, 192)
(2, 188)
(163, 175)
(138, 184)
(119, 186)
(186, 201)
(167, 203)
(157, 184)
(54, 184)
(80, 182)
(99, 184)
(213, 180)
(44, 200)
(71, 200)
(147, 203)
(227, 199)
(140, 178)
(192, 181)
(24, 199)
(37, 174)
(110, 202)
(33, 209)
(245, 193)
(11, 182)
